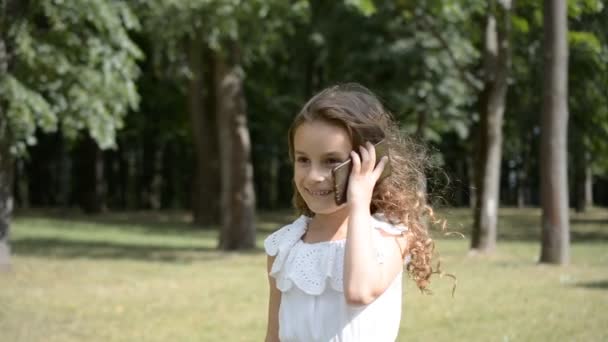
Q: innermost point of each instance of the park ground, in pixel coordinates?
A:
(142, 276)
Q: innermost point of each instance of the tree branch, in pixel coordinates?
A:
(430, 27)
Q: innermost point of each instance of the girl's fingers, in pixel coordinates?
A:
(367, 164)
(364, 158)
(356, 163)
(381, 165)
(372, 154)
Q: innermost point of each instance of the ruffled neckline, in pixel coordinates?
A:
(311, 267)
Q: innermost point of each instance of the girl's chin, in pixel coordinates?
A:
(325, 209)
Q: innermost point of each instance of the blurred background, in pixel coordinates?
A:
(141, 140)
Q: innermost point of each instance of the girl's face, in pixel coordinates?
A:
(319, 146)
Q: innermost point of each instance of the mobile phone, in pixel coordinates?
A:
(341, 173)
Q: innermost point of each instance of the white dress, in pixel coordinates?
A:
(309, 276)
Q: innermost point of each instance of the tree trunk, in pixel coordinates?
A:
(582, 181)
(588, 183)
(91, 177)
(554, 126)
(129, 174)
(6, 189)
(6, 173)
(472, 184)
(206, 176)
(460, 195)
(9, 11)
(64, 176)
(273, 181)
(21, 186)
(522, 186)
(492, 107)
(156, 185)
(238, 197)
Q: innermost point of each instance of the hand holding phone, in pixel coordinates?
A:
(341, 173)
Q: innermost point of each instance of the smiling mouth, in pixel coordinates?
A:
(319, 192)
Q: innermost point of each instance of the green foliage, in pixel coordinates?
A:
(588, 81)
(74, 66)
(255, 24)
(366, 7)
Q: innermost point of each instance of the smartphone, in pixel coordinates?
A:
(341, 173)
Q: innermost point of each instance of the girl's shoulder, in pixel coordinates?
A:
(380, 222)
(286, 236)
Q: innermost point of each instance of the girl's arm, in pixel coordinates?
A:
(274, 299)
(364, 278)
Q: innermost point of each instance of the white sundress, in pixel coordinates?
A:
(309, 276)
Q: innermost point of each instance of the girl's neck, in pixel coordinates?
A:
(333, 222)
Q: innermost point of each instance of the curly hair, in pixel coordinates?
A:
(400, 197)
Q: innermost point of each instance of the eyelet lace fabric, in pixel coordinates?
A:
(312, 267)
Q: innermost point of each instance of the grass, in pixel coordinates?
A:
(153, 277)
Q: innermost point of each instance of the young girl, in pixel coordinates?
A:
(335, 273)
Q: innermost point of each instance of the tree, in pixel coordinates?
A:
(60, 66)
(214, 41)
(237, 195)
(554, 129)
(492, 102)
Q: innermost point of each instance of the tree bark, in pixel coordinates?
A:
(21, 186)
(64, 176)
(91, 177)
(9, 11)
(237, 195)
(554, 126)
(492, 107)
(6, 189)
(582, 181)
(207, 176)
(588, 184)
(273, 181)
(522, 186)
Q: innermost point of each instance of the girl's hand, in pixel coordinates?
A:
(363, 177)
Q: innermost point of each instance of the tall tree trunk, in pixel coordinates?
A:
(91, 177)
(21, 185)
(10, 10)
(582, 181)
(273, 181)
(6, 170)
(6, 189)
(492, 107)
(554, 126)
(522, 185)
(156, 184)
(64, 180)
(460, 196)
(472, 184)
(129, 176)
(588, 183)
(238, 197)
(206, 176)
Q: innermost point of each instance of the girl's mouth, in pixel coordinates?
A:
(320, 193)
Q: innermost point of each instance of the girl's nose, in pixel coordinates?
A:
(318, 173)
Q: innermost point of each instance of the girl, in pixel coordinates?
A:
(335, 273)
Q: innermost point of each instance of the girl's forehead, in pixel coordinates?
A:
(316, 136)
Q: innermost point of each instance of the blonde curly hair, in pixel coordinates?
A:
(400, 197)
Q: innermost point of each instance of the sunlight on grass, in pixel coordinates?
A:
(136, 279)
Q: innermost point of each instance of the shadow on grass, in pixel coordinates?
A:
(589, 221)
(154, 222)
(597, 285)
(69, 249)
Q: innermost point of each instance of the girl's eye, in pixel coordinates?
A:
(302, 160)
(333, 161)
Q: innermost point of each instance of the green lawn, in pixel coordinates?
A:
(152, 277)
